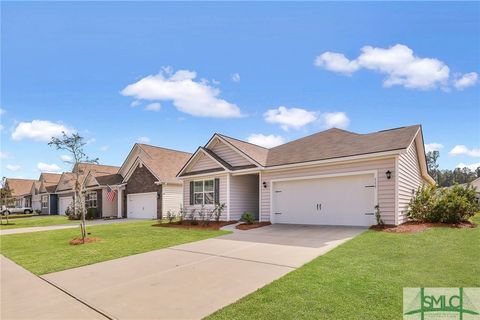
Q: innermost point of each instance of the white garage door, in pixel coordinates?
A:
(142, 205)
(345, 200)
(63, 204)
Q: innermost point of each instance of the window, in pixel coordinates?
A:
(203, 192)
(91, 199)
(44, 201)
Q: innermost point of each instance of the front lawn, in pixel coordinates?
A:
(364, 278)
(42, 221)
(49, 251)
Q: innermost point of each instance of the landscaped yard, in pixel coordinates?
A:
(35, 222)
(49, 251)
(364, 278)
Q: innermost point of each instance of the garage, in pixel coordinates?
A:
(142, 205)
(347, 200)
(63, 204)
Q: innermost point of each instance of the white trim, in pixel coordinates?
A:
(128, 157)
(141, 193)
(137, 163)
(260, 196)
(203, 175)
(396, 173)
(208, 154)
(245, 172)
(323, 176)
(228, 196)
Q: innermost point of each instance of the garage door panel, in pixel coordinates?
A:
(63, 204)
(347, 200)
(142, 205)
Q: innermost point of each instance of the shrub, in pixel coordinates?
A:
(378, 216)
(248, 218)
(182, 214)
(192, 217)
(448, 205)
(71, 213)
(171, 216)
(217, 212)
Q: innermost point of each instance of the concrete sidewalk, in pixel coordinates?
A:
(25, 296)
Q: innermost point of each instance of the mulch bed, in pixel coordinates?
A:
(187, 224)
(77, 241)
(415, 226)
(245, 226)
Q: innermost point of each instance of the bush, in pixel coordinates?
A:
(217, 212)
(248, 218)
(448, 205)
(182, 214)
(192, 218)
(378, 216)
(171, 216)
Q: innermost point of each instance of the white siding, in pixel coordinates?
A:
(386, 187)
(172, 196)
(36, 202)
(243, 195)
(109, 208)
(409, 179)
(223, 193)
(203, 162)
(230, 155)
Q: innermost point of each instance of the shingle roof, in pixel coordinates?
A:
(20, 187)
(165, 163)
(337, 143)
(51, 177)
(103, 173)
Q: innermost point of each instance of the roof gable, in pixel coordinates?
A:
(20, 187)
(256, 154)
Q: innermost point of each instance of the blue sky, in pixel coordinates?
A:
(268, 72)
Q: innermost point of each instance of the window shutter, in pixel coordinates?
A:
(217, 190)
(191, 193)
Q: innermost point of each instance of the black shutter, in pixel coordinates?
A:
(191, 193)
(217, 190)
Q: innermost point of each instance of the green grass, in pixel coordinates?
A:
(35, 222)
(364, 278)
(49, 251)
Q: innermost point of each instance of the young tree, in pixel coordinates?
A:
(74, 144)
(5, 195)
(432, 157)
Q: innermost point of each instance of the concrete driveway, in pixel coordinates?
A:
(193, 280)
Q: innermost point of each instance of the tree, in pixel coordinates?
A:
(74, 144)
(445, 177)
(5, 195)
(432, 157)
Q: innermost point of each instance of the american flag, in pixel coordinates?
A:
(111, 194)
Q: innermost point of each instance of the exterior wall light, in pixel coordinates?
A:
(388, 174)
(264, 184)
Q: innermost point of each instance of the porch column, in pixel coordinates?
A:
(119, 202)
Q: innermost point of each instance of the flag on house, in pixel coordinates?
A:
(111, 194)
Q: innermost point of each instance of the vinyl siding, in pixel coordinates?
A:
(109, 208)
(203, 162)
(230, 155)
(172, 197)
(386, 187)
(223, 193)
(243, 195)
(409, 180)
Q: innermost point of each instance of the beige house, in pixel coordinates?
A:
(43, 193)
(20, 189)
(334, 177)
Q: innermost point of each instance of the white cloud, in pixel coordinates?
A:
(235, 77)
(472, 166)
(269, 141)
(143, 139)
(39, 130)
(400, 65)
(4, 155)
(2, 111)
(295, 118)
(104, 148)
(153, 107)
(45, 167)
(65, 158)
(135, 103)
(196, 98)
(91, 140)
(13, 167)
(335, 120)
(466, 80)
(463, 150)
(433, 147)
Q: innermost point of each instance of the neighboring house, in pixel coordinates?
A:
(21, 189)
(46, 192)
(150, 188)
(334, 177)
(476, 183)
(95, 178)
(36, 197)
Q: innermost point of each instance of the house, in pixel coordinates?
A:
(333, 177)
(95, 179)
(150, 188)
(476, 184)
(46, 192)
(20, 189)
